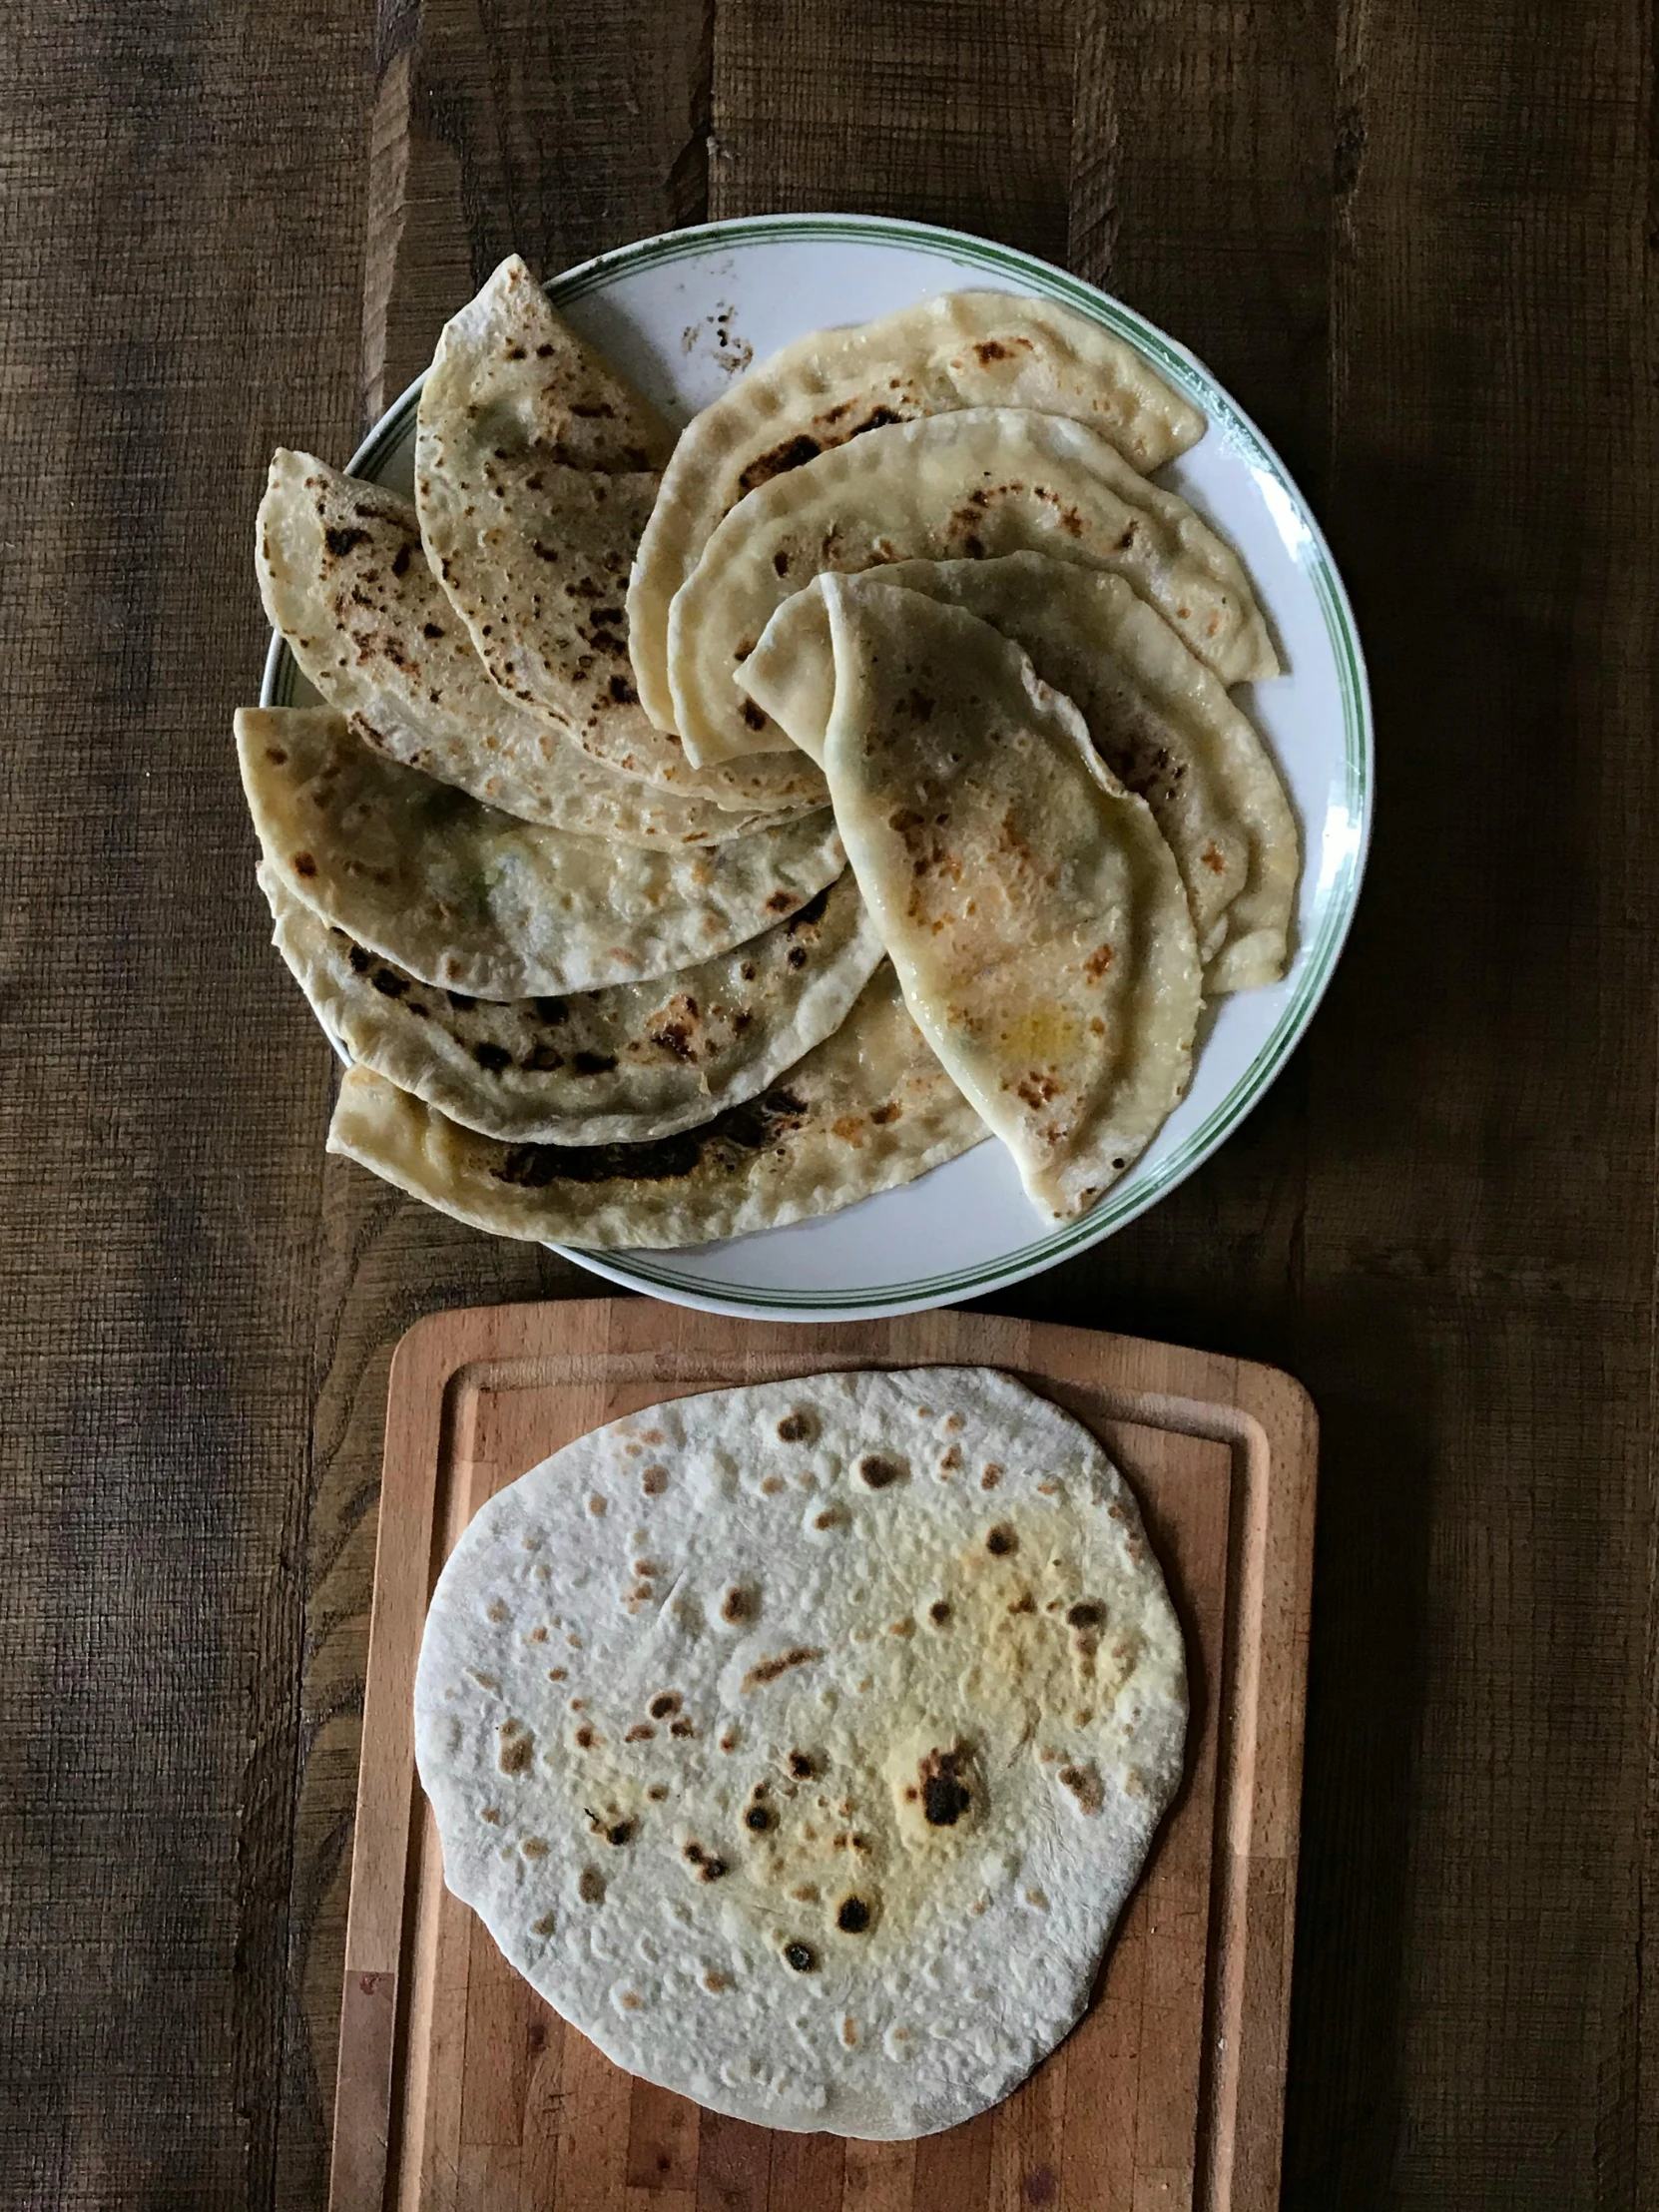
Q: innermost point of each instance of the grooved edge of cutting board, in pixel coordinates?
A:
(459, 2086)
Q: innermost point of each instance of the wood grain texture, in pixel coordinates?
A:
(1477, 1256)
(558, 133)
(1414, 238)
(1169, 2094)
(161, 1100)
(503, 125)
(954, 110)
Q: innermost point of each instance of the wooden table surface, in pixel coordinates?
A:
(1414, 238)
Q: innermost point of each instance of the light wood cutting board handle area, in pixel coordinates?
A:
(458, 2087)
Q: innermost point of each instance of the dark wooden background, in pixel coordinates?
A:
(1415, 238)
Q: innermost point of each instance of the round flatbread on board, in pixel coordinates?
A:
(1162, 722)
(957, 350)
(979, 482)
(471, 899)
(802, 1743)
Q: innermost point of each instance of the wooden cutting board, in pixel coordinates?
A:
(459, 2089)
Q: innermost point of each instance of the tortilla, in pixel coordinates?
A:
(535, 471)
(959, 349)
(346, 581)
(471, 899)
(1032, 910)
(984, 481)
(617, 1066)
(532, 385)
(867, 1110)
(802, 1743)
(1158, 719)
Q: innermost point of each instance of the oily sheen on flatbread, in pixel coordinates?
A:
(959, 349)
(474, 900)
(867, 1110)
(346, 581)
(1158, 718)
(623, 1065)
(802, 1743)
(984, 481)
(535, 471)
(1030, 906)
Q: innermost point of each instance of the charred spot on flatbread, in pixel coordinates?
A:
(759, 1125)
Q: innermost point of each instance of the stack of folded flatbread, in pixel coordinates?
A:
(697, 835)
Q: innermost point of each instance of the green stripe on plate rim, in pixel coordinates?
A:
(1189, 377)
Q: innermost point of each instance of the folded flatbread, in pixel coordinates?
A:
(957, 350)
(533, 386)
(535, 471)
(1030, 905)
(802, 1743)
(1158, 718)
(867, 1110)
(473, 901)
(346, 581)
(980, 482)
(621, 1065)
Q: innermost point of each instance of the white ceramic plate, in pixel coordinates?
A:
(685, 313)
